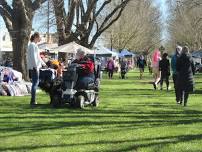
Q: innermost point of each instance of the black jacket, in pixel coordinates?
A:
(141, 63)
(185, 69)
(164, 67)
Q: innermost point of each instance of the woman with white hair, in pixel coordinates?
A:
(185, 82)
(86, 72)
(174, 71)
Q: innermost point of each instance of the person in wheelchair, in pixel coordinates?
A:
(86, 75)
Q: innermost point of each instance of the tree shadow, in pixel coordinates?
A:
(134, 143)
(197, 92)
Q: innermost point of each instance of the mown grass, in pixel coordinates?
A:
(131, 117)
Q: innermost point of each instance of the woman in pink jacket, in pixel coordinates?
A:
(156, 57)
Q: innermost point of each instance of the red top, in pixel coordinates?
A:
(86, 64)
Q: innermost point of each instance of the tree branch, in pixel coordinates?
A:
(5, 9)
(71, 15)
(121, 6)
(37, 3)
(103, 26)
(102, 7)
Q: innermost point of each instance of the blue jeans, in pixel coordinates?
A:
(35, 82)
(83, 82)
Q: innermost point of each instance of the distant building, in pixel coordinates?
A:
(5, 46)
(6, 50)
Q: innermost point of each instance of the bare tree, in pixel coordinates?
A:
(46, 15)
(80, 22)
(186, 23)
(18, 19)
(138, 28)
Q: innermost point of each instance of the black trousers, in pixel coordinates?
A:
(183, 95)
(180, 93)
(166, 78)
(110, 73)
(178, 97)
(123, 73)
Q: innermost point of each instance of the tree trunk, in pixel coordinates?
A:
(19, 43)
(20, 38)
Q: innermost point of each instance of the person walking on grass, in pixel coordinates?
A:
(124, 68)
(164, 68)
(175, 73)
(34, 64)
(185, 82)
(141, 63)
(110, 68)
(156, 57)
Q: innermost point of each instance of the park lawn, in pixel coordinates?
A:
(131, 117)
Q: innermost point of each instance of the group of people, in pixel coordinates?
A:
(121, 67)
(183, 70)
(35, 63)
(181, 63)
(182, 66)
(160, 69)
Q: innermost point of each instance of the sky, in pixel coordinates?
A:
(161, 4)
(165, 12)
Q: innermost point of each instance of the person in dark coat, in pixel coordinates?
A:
(164, 68)
(141, 63)
(174, 70)
(186, 69)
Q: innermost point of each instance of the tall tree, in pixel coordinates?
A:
(138, 28)
(79, 21)
(18, 19)
(185, 25)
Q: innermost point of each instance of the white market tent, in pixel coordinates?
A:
(101, 51)
(105, 52)
(5, 49)
(48, 47)
(72, 48)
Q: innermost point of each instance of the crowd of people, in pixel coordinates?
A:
(159, 65)
(86, 73)
(183, 69)
(121, 66)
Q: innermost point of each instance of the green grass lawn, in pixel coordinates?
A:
(131, 117)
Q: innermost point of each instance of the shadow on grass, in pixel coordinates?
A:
(106, 118)
(197, 92)
(134, 143)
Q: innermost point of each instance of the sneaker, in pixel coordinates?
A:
(33, 103)
(179, 102)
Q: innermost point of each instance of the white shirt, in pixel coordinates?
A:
(33, 57)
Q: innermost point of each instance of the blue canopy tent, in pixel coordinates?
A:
(126, 53)
(197, 54)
